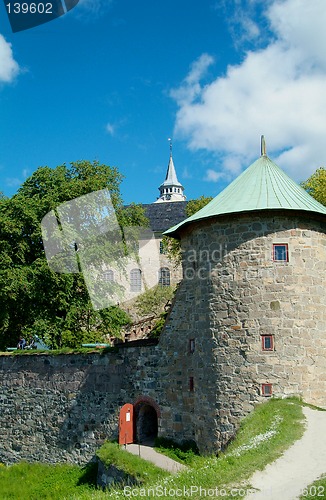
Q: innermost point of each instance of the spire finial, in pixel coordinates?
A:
(262, 146)
(170, 141)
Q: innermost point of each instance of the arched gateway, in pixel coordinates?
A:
(138, 422)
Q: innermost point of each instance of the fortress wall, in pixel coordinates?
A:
(62, 408)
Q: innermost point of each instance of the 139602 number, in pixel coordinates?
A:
(32, 8)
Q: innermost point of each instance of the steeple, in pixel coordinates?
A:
(171, 189)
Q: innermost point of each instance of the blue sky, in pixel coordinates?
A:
(113, 80)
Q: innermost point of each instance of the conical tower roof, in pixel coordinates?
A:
(171, 189)
(171, 175)
(262, 186)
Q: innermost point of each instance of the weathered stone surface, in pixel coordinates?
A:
(62, 408)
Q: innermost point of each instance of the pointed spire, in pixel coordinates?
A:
(262, 146)
(171, 189)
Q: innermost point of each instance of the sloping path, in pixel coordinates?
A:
(300, 465)
(148, 453)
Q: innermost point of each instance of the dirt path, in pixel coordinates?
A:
(300, 465)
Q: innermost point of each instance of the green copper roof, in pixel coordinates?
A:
(262, 186)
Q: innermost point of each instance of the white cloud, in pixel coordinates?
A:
(16, 181)
(9, 68)
(94, 7)
(213, 176)
(278, 91)
(110, 128)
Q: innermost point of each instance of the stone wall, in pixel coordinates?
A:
(61, 408)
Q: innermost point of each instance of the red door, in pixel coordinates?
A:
(126, 424)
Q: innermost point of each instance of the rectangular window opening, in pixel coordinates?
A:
(267, 342)
(266, 390)
(191, 384)
(191, 345)
(280, 252)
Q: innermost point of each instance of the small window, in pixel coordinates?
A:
(266, 389)
(164, 276)
(162, 248)
(191, 384)
(135, 280)
(108, 276)
(280, 252)
(191, 345)
(267, 342)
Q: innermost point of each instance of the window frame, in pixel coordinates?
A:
(286, 245)
(264, 348)
(164, 276)
(269, 387)
(135, 282)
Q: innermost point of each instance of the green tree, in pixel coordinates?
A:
(316, 185)
(33, 298)
(171, 245)
(151, 302)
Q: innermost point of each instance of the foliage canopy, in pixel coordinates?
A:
(33, 298)
(316, 185)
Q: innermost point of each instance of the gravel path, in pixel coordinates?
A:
(300, 465)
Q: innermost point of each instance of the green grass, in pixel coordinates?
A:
(63, 350)
(143, 471)
(263, 436)
(315, 490)
(26, 481)
(184, 454)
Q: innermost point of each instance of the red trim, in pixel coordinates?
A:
(269, 388)
(263, 337)
(286, 252)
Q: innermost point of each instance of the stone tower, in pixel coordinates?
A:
(249, 319)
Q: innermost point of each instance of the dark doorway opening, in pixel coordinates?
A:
(146, 424)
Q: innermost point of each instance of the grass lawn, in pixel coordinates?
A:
(262, 437)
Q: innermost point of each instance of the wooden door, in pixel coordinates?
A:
(126, 424)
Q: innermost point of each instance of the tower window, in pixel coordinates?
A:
(164, 276)
(267, 342)
(191, 345)
(135, 280)
(266, 390)
(191, 384)
(280, 252)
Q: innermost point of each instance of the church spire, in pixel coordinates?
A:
(171, 189)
